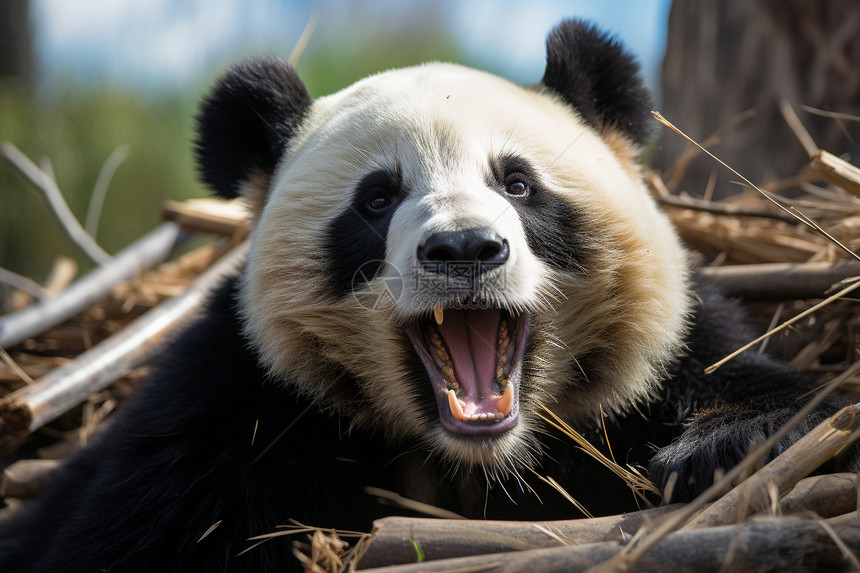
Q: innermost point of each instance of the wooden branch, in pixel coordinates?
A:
(780, 281)
(768, 545)
(208, 216)
(35, 319)
(34, 405)
(836, 171)
(47, 188)
(779, 476)
(722, 208)
(828, 495)
(448, 538)
(393, 537)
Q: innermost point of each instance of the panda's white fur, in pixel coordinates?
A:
(437, 125)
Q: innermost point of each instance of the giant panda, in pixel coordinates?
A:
(439, 257)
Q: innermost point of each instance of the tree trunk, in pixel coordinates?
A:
(729, 56)
(16, 54)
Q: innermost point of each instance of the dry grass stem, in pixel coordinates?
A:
(634, 479)
(410, 504)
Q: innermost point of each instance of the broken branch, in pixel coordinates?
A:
(35, 319)
(47, 188)
(35, 405)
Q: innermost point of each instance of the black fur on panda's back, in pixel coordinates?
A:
(221, 447)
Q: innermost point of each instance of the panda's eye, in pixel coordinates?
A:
(378, 203)
(517, 189)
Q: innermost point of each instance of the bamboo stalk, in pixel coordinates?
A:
(829, 495)
(35, 319)
(24, 284)
(97, 199)
(34, 405)
(732, 476)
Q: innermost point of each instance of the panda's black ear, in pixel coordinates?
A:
(245, 123)
(599, 78)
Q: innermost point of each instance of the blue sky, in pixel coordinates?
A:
(170, 43)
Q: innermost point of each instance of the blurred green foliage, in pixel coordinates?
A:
(76, 131)
(77, 127)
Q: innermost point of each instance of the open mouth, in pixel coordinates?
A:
(474, 360)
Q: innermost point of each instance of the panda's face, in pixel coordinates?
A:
(443, 253)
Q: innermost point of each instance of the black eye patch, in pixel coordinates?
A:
(551, 224)
(355, 241)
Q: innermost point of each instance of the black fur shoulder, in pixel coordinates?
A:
(209, 444)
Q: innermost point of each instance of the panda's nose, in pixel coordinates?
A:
(480, 246)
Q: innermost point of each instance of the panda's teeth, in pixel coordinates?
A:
(506, 402)
(454, 404)
(503, 405)
(438, 313)
(437, 343)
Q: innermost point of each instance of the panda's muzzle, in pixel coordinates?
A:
(472, 350)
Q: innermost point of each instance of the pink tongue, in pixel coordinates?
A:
(470, 336)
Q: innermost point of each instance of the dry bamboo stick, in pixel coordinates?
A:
(48, 189)
(55, 393)
(97, 199)
(769, 545)
(780, 281)
(836, 171)
(780, 475)
(35, 319)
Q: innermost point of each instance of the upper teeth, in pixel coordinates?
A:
(438, 313)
